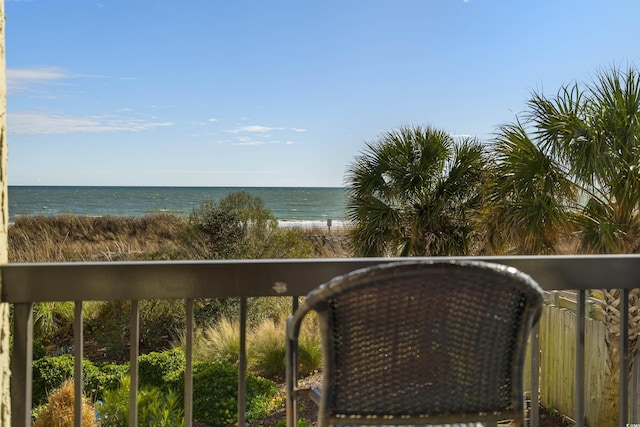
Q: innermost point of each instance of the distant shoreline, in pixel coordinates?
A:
(304, 224)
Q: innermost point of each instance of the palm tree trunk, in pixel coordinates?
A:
(609, 412)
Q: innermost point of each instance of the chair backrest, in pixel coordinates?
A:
(425, 339)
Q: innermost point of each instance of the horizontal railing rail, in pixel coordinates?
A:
(25, 284)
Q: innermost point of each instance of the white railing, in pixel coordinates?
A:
(25, 284)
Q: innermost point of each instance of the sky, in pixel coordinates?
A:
(278, 92)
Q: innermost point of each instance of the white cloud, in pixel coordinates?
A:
(298, 130)
(213, 119)
(52, 124)
(23, 79)
(243, 140)
(253, 128)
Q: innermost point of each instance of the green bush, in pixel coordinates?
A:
(156, 407)
(49, 373)
(154, 368)
(160, 322)
(215, 390)
(214, 232)
(239, 226)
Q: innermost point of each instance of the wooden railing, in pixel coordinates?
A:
(25, 284)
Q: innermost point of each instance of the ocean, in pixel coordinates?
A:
(291, 205)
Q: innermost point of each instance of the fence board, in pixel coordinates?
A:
(557, 362)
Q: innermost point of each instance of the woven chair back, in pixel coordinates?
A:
(436, 338)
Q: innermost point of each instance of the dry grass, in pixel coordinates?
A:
(71, 238)
(59, 409)
(68, 238)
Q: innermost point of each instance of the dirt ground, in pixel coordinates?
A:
(308, 411)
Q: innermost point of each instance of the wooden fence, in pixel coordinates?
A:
(558, 358)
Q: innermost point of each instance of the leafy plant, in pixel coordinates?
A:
(215, 390)
(49, 373)
(155, 367)
(155, 407)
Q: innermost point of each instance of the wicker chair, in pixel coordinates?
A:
(419, 343)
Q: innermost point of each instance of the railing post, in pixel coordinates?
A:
(134, 340)
(580, 332)
(242, 365)
(78, 355)
(188, 369)
(21, 375)
(535, 376)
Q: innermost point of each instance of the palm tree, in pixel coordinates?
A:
(528, 199)
(571, 168)
(411, 193)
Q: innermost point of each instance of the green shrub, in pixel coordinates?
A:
(155, 407)
(160, 408)
(155, 367)
(49, 373)
(108, 378)
(215, 390)
(160, 322)
(214, 232)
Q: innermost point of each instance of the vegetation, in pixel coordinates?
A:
(155, 407)
(160, 394)
(239, 226)
(58, 412)
(67, 238)
(163, 237)
(412, 193)
(563, 177)
(571, 168)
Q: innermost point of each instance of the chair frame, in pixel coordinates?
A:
(320, 300)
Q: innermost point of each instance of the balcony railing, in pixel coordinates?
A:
(25, 284)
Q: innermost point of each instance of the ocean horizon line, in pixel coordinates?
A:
(174, 186)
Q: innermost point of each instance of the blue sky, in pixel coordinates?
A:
(278, 93)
